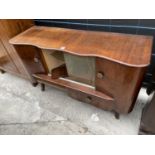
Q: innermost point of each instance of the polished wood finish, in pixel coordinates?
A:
(32, 59)
(119, 60)
(117, 81)
(120, 82)
(130, 50)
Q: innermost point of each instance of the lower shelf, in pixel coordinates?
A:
(72, 86)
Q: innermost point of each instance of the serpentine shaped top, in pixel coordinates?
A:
(126, 49)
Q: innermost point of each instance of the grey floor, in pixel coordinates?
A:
(26, 110)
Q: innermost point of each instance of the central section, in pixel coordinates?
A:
(80, 69)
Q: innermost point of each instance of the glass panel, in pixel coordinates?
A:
(81, 69)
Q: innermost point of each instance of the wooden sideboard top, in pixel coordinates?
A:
(130, 50)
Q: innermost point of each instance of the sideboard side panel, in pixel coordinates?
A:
(8, 29)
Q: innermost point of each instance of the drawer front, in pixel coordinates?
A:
(98, 102)
(119, 81)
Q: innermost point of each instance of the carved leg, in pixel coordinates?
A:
(2, 71)
(42, 87)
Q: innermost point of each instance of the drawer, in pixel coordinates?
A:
(98, 102)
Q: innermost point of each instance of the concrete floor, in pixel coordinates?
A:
(26, 110)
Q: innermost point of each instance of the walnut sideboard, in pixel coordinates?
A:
(100, 68)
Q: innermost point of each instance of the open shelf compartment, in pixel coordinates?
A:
(71, 85)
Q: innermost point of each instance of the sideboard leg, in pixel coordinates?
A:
(2, 71)
(117, 115)
(42, 87)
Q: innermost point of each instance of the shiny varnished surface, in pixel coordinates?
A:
(119, 81)
(120, 61)
(31, 58)
(131, 50)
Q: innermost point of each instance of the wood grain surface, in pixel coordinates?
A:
(130, 50)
